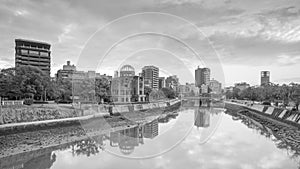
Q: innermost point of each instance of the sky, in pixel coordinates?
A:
(235, 38)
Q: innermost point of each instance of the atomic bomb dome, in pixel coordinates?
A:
(127, 70)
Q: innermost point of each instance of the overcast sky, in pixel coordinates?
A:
(235, 38)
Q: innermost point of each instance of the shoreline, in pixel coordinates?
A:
(13, 144)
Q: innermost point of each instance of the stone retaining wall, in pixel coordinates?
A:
(276, 112)
(27, 114)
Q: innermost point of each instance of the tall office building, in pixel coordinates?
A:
(33, 53)
(202, 76)
(264, 78)
(150, 75)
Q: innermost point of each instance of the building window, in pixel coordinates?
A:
(44, 53)
(23, 51)
(33, 52)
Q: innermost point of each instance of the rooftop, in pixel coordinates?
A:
(32, 41)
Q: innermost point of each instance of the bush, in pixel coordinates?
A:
(266, 103)
(28, 101)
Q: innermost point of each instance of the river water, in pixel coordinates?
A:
(188, 138)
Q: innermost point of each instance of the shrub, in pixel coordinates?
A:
(28, 101)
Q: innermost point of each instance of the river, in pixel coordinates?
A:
(191, 137)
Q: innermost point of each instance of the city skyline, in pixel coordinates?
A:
(242, 33)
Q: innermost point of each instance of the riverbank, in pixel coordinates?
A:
(273, 114)
(28, 118)
(12, 144)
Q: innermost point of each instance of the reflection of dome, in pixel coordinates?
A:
(127, 70)
(126, 150)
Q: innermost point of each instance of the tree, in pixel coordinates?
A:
(295, 97)
(61, 90)
(169, 93)
(23, 82)
(102, 89)
(32, 81)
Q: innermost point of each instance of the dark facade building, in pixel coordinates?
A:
(150, 75)
(33, 53)
(264, 78)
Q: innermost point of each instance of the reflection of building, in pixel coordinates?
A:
(215, 86)
(151, 74)
(264, 78)
(130, 138)
(204, 88)
(127, 87)
(33, 53)
(242, 86)
(188, 90)
(41, 162)
(161, 82)
(127, 139)
(202, 118)
(172, 82)
(66, 72)
(151, 129)
(202, 76)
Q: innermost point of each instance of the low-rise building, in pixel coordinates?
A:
(215, 87)
(189, 89)
(66, 72)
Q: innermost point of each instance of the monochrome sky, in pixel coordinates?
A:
(236, 38)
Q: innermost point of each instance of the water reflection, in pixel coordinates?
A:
(202, 118)
(285, 137)
(148, 136)
(130, 138)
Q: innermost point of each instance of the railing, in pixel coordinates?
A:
(12, 102)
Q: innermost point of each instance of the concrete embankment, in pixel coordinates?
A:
(30, 119)
(280, 114)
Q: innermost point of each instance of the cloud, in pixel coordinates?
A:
(21, 12)
(286, 60)
(243, 31)
(66, 31)
(243, 50)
